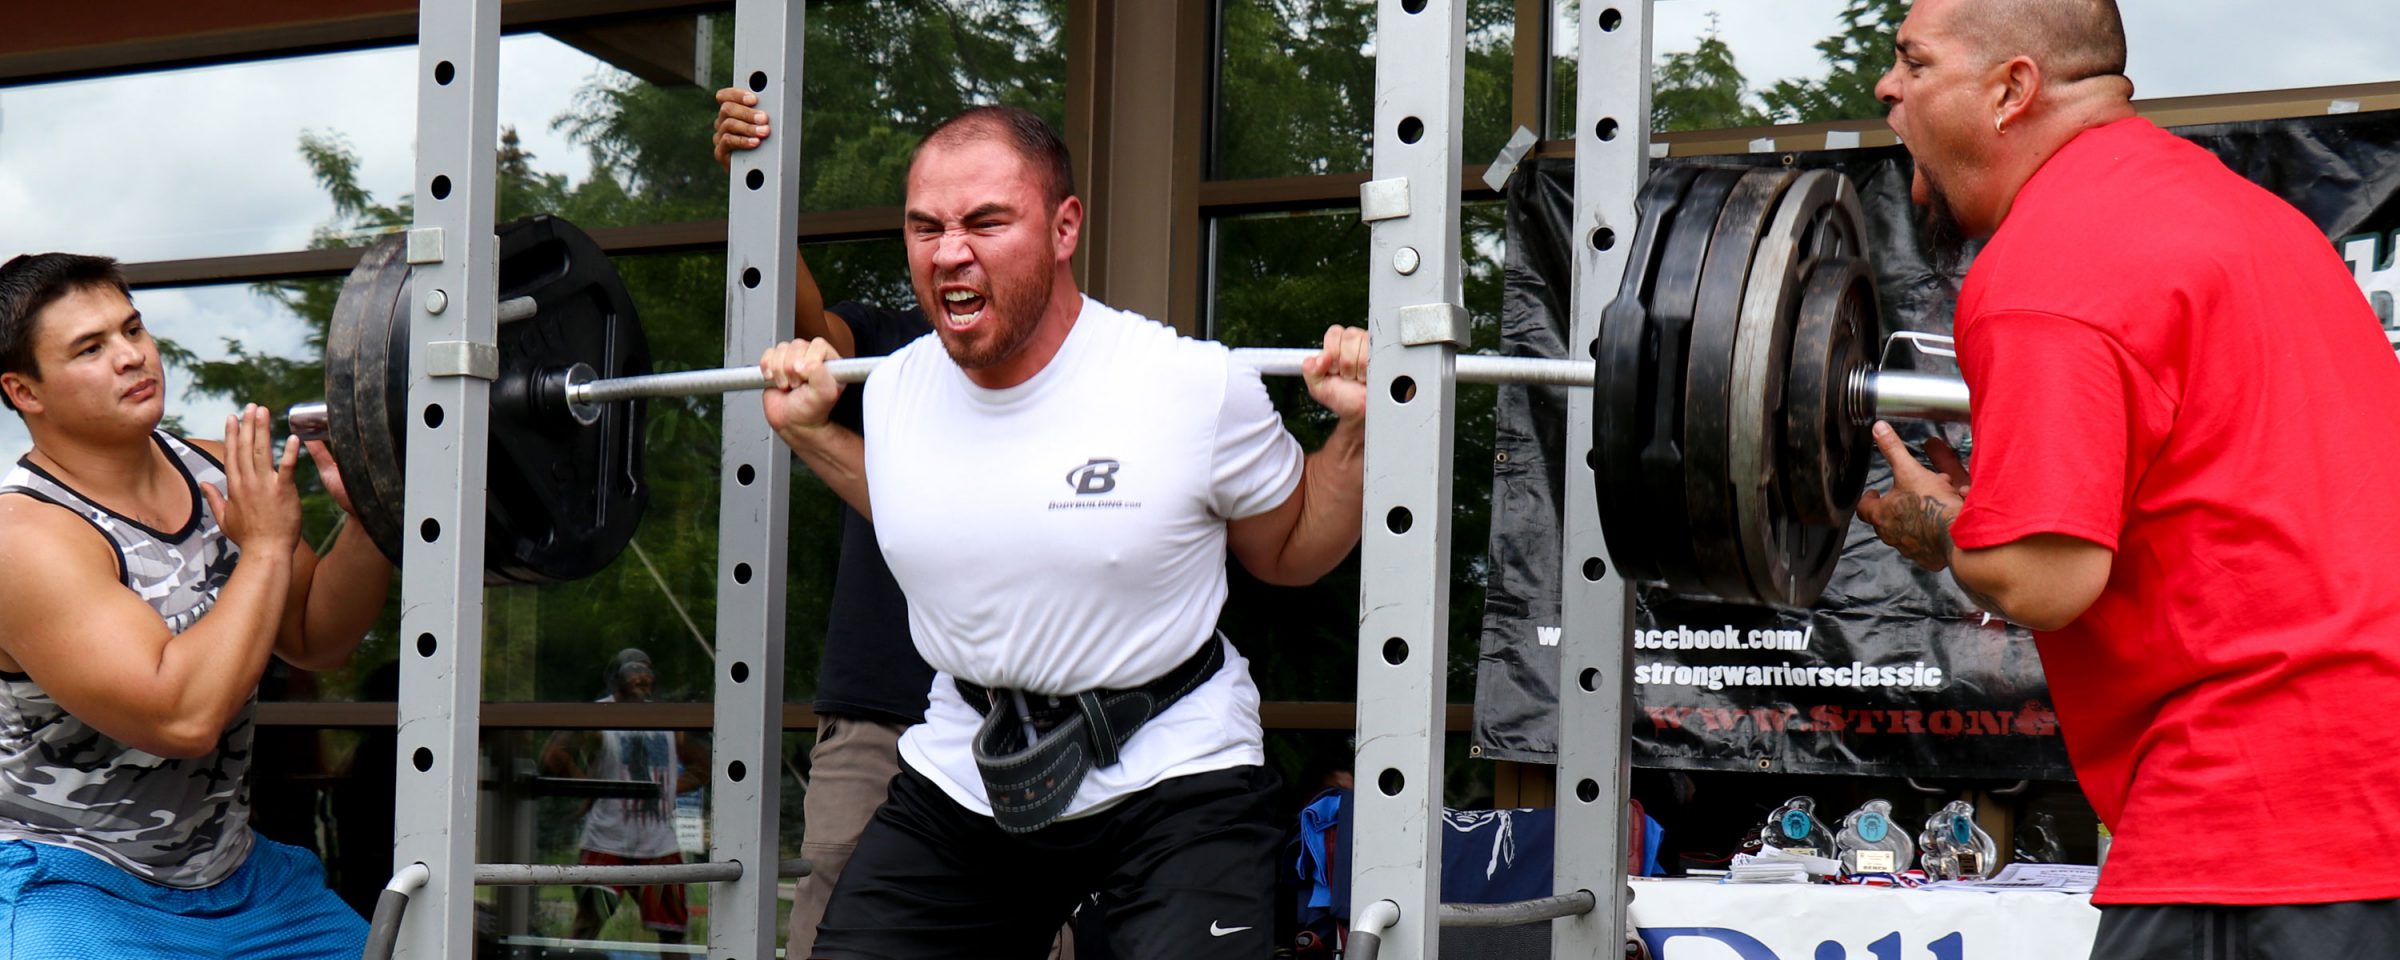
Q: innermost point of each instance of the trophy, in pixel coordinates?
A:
(1954, 847)
(1869, 843)
(1794, 828)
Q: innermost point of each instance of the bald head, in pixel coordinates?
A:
(2072, 40)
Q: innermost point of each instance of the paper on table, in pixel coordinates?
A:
(2054, 877)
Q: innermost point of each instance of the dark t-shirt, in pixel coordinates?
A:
(871, 668)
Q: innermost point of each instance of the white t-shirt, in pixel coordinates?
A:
(1068, 534)
(634, 828)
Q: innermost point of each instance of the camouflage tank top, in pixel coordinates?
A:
(178, 822)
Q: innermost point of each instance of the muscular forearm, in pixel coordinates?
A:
(837, 456)
(346, 592)
(206, 673)
(1333, 496)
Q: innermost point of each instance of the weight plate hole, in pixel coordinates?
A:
(1395, 651)
(423, 758)
(1391, 782)
(426, 645)
(1398, 520)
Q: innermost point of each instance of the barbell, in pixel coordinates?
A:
(1733, 369)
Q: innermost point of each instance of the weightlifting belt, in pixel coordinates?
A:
(1030, 784)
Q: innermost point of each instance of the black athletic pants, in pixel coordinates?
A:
(2355, 930)
(1184, 869)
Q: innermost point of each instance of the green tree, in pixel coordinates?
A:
(1701, 90)
(1855, 58)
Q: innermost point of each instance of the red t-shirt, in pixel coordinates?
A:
(2171, 362)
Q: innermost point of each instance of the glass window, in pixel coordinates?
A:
(1738, 62)
(1280, 279)
(233, 159)
(1296, 85)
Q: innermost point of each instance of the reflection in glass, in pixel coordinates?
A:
(1279, 281)
(1295, 87)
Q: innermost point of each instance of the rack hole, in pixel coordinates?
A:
(1413, 6)
(1590, 680)
(433, 415)
(1611, 19)
(1588, 791)
(1404, 389)
(746, 475)
(443, 72)
(1607, 129)
(741, 573)
(431, 530)
(1594, 569)
(1604, 239)
(756, 179)
(1411, 130)
(750, 277)
(441, 188)
(1395, 651)
(735, 771)
(1398, 521)
(426, 645)
(741, 672)
(758, 81)
(1391, 782)
(423, 759)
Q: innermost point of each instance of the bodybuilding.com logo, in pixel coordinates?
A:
(1094, 478)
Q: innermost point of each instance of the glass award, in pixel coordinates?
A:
(1869, 843)
(1794, 828)
(1953, 847)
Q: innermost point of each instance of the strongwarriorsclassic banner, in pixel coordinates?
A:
(1894, 672)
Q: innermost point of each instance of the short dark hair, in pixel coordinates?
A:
(1032, 137)
(34, 281)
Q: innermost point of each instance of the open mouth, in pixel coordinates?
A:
(963, 306)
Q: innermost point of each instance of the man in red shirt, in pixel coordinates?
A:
(2183, 423)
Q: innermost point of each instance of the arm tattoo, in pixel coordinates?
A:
(1982, 601)
(1919, 527)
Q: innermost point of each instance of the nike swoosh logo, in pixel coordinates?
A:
(1217, 931)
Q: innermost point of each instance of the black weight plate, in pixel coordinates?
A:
(1624, 385)
(565, 497)
(1708, 384)
(1673, 299)
(1788, 559)
(1825, 451)
(357, 433)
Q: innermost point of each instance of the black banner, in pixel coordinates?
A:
(1894, 672)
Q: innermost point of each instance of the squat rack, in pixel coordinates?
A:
(1417, 321)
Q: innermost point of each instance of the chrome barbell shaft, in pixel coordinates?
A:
(1889, 393)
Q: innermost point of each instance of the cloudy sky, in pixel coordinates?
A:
(205, 162)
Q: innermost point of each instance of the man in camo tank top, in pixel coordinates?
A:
(144, 581)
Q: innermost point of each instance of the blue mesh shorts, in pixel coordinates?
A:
(62, 904)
